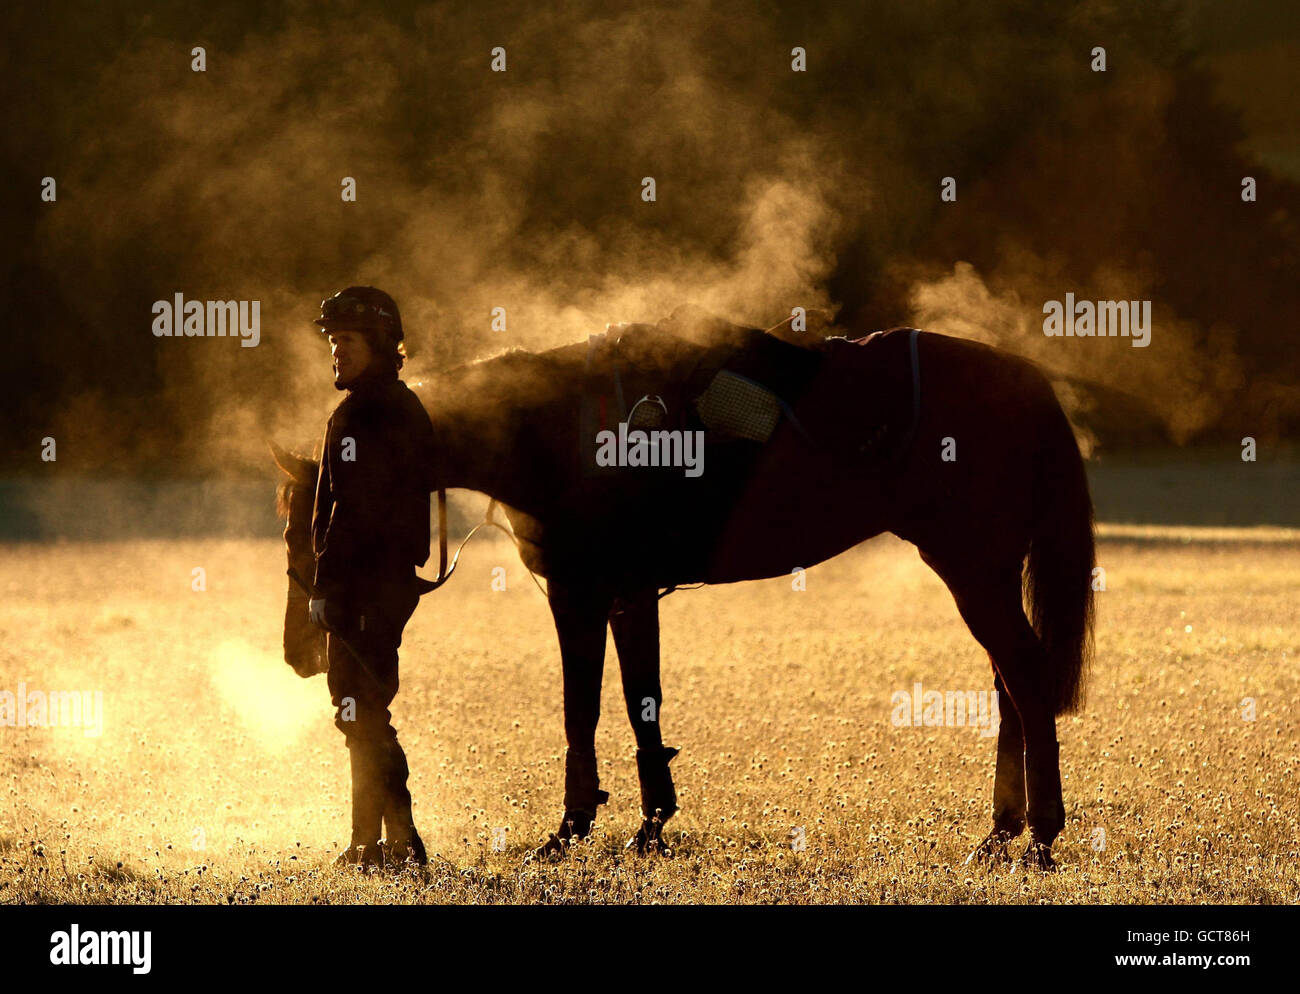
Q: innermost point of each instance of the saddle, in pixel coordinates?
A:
(736, 387)
(740, 385)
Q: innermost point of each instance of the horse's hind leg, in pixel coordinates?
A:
(1008, 782)
(580, 617)
(991, 604)
(635, 625)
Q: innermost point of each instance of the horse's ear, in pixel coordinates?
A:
(292, 464)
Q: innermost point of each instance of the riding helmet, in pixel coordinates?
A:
(361, 308)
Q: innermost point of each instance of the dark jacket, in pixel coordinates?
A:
(371, 517)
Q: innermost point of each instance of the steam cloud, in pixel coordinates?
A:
(522, 190)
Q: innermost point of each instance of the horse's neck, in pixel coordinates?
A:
(467, 455)
(502, 425)
(480, 438)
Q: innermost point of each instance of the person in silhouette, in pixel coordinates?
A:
(370, 530)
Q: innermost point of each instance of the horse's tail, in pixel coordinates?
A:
(1058, 574)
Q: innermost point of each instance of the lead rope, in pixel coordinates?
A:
(489, 521)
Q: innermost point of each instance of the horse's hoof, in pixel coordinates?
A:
(364, 856)
(992, 850)
(1038, 856)
(409, 853)
(553, 846)
(649, 839)
(575, 826)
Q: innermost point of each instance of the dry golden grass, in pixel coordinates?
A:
(780, 701)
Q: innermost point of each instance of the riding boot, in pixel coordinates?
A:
(367, 805)
(582, 795)
(403, 842)
(658, 797)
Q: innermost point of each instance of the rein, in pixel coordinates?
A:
(489, 521)
(445, 570)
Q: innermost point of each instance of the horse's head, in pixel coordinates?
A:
(304, 643)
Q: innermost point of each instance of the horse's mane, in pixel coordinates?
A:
(519, 374)
(515, 378)
(507, 379)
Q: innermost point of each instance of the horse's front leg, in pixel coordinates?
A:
(580, 615)
(635, 624)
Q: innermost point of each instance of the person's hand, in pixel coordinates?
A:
(316, 610)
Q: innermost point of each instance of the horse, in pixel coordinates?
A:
(959, 448)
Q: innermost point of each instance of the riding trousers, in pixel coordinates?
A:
(366, 630)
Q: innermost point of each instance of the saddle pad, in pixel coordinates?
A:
(736, 405)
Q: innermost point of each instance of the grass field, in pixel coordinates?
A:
(218, 776)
